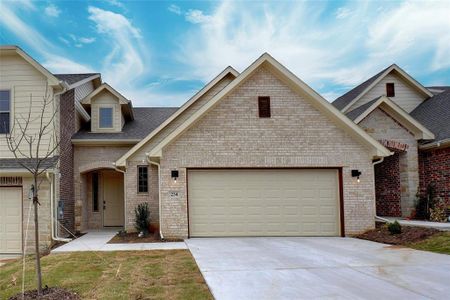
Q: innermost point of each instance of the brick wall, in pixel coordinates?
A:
(382, 126)
(67, 129)
(387, 187)
(297, 135)
(434, 167)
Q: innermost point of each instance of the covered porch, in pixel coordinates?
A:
(102, 199)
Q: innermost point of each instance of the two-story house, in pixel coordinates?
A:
(257, 153)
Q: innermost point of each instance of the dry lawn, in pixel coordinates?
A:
(168, 274)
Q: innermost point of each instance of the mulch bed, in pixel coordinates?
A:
(48, 293)
(132, 238)
(409, 235)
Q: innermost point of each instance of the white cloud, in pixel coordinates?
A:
(342, 13)
(115, 3)
(86, 40)
(412, 28)
(196, 16)
(52, 11)
(58, 64)
(366, 39)
(175, 9)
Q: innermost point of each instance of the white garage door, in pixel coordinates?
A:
(10, 220)
(263, 202)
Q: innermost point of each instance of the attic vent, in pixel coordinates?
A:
(390, 90)
(7, 181)
(264, 106)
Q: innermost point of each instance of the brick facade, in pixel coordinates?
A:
(434, 167)
(387, 187)
(67, 129)
(297, 135)
(381, 126)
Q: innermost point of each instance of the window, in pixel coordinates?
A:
(106, 117)
(143, 179)
(95, 191)
(390, 90)
(5, 111)
(264, 107)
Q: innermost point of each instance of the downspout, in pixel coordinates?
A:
(124, 194)
(159, 193)
(373, 164)
(52, 210)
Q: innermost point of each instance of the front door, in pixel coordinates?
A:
(113, 204)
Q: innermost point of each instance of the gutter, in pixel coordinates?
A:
(54, 232)
(438, 144)
(159, 192)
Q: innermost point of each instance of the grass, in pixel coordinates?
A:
(168, 274)
(439, 243)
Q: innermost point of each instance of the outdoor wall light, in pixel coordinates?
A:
(174, 174)
(356, 173)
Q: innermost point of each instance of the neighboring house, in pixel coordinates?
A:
(257, 153)
(414, 123)
(21, 77)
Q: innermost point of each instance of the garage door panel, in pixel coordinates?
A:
(263, 203)
(10, 220)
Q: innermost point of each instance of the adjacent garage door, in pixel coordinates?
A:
(10, 220)
(263, 202)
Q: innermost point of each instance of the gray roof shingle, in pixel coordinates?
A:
(355, 113)
(12, 163)
(345, 99)
(74, 78)
(146, 119)
(434, 114)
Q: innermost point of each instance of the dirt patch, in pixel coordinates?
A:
(52, 293)
(132, 238)
(409, 235)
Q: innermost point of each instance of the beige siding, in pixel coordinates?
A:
(106, 99)
(297, 135)
(406, 96)
(24, 81)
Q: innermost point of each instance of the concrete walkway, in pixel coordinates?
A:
(311, 268)
(98, 241)
(418, 223)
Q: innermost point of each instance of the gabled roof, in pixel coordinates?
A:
(345, 101)
(387, 105)
(377, 150)
(438, 89)
(124, 102)
(146, 119)
(227, 71)
(7, 50)
(435, 115)
(74, 80)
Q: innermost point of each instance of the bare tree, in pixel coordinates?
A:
(34, 141)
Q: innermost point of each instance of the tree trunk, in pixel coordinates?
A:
(36, 238)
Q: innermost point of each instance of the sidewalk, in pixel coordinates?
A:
(418, 223)
(97, 241)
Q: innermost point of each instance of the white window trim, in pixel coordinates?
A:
(99, 116)
(11, 107)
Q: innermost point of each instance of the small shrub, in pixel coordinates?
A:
(142, 218)
(395, 228)
(122, 233)
(438, 213)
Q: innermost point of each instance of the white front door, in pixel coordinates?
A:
(263, 202)
(113, 203)
(10, 220)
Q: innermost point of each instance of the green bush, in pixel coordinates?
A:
(395, 228)
(142, 218)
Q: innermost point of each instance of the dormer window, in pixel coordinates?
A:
(105, 117)
(390, 90)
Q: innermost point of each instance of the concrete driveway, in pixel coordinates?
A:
(306, 268)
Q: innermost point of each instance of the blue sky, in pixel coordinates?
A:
(159, 53)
